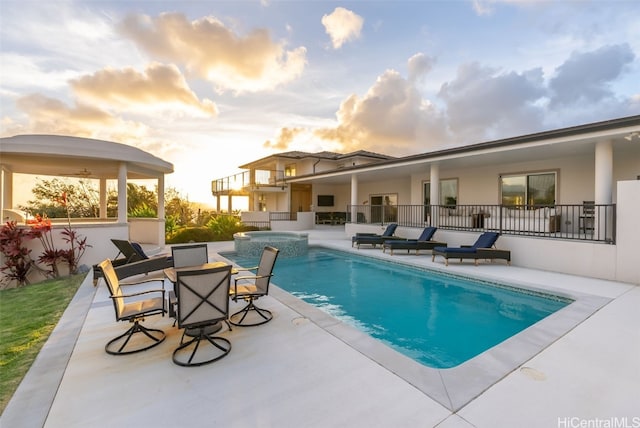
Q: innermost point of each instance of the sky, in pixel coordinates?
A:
(211, 85)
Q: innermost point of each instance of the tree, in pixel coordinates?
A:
(83, 196)
(84, 201)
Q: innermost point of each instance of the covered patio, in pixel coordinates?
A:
(91, 159)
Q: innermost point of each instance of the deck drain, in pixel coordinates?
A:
(532, 373)
(299, 321)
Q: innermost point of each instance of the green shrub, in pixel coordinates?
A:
(192, 234)
(224, 226)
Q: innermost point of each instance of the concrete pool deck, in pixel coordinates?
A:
(297, 372)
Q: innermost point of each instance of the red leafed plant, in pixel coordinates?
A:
(41, 229)
(17, 257)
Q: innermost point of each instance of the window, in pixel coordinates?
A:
(384, 207)
(528, 189)
(290, 170)
(448, 192)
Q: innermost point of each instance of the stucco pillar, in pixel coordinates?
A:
(104, 196)
(161, 197)
(354, 198)
(6, 186)
(604, 172)
(122, 193)
(434, 193)
(603, 183)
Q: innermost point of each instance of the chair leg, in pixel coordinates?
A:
(112, 348)
(265, 314)
(220, 346)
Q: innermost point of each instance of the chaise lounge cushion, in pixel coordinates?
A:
(423, 242)
(481, 249)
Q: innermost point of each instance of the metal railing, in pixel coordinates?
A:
(594, 222)
(283, 216)
(243, 181)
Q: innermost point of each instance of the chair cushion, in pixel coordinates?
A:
(245, 289)
(486, 240)
(465, 250)
(139, 250)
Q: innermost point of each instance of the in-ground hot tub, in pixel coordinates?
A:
(290, 244)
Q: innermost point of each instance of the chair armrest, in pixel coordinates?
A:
(242, 269)
(237, 278)
(144, 281)
(140, 293)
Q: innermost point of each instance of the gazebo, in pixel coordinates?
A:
(66, 156)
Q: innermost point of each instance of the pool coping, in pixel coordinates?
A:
(457, 386)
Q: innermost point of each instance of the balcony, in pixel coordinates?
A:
(248, 181)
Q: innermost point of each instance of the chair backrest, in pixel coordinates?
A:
(132, 251)
(390, 230)
(203, 296)
(588, 208)
(110, 277)
(486, 240)
(427, 233)
(189, 255)
(265, 269)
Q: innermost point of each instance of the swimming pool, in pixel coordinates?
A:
(439, 320)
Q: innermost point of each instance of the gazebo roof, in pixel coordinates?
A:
(66, 156)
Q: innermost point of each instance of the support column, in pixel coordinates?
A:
(6, 186)
(122, 193)
(354, 198)
(434, 193)
(103, 199)
(603, 184)
(161, 214)
(603, 172)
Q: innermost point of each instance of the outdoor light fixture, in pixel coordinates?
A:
(630, 136)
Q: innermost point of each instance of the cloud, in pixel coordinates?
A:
(50, 116)
(482, 102)
(285, 137)
(485, 7)
(585, 77)
(126, 87)
(391, 113)
(342, 26)
(419, 65)
(215, 53)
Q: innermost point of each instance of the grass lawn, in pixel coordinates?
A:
(27, 318)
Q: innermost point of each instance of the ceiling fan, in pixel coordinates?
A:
(83, 173)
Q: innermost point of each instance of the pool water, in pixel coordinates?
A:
(439, 320)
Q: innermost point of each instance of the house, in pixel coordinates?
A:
(265, 180)
(565, 200)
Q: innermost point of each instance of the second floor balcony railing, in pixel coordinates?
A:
(244, 181)
(592, 223)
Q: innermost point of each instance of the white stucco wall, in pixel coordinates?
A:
(628, 242)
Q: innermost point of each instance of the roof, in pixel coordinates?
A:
(326, 155)
(60, 155)
(542, 145)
